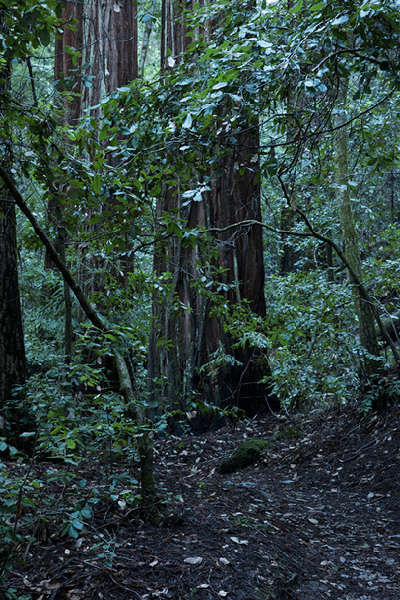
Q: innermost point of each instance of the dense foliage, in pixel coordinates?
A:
(280, 67)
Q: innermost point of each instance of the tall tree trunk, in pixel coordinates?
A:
(186, 335)
(67, 66)
(110, 60)
(109, 51)
(12, 348)
(235, 197)
(148, 28)
(105, 33)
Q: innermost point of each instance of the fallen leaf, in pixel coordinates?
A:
(224, 561)
(313, 521)
(193, 560)
(154, 563)
(222, 593)
(241, 542)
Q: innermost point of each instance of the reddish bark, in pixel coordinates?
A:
(12, 348)
(186, 333)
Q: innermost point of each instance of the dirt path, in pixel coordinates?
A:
(318, 517)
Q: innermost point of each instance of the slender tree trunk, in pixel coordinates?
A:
(294, 104)
(365, 312)
(148, 28)
(287, 253)
(145, 445)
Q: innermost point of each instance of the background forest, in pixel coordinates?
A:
(199, 223)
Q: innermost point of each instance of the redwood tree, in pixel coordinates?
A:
(96, 53)
(12, 349)
(193, 349)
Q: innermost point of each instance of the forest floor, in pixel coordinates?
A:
(317, 517)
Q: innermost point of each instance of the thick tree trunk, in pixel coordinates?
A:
(109, 52)
(235, 197)
(105, 32)
(12, 349)
(187, 335)
(109, 59)
(68, 84)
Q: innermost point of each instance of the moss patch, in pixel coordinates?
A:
(245, 455)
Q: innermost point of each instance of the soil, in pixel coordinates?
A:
(318, 516)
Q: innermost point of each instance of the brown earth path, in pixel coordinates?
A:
(318, 517)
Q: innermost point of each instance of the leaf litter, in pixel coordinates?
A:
(330, 531)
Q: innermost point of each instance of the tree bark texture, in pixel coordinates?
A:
(235, 197)
(105, 34)
(12, 348)
(67, 64)
(109, 61)
(109, 51)
(67, 71)
(68, 84)
(174, 38)
(187, 334)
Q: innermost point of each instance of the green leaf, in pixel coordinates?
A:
(297, 7)
(104, 134)
(73, 532)
(110, 336)
(220, 85)
(317, 7)
(266, 45)
(96, 184)
(45, 37)
(77, 524)
(86, 512)
(340, 20)
(187, 123)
